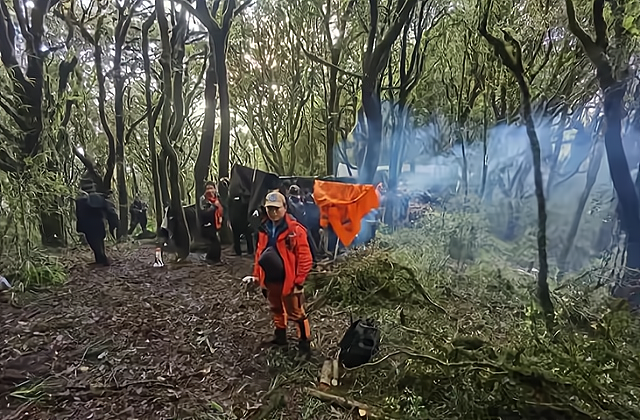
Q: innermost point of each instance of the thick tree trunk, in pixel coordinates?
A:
(181, 237)
(152, 118)
(376, 57)
(120, 35)
(220, 42)
(205, 151)
(621, 177)
(373, 115)
(122, 190)
(28, 89)
(163, 178)
(52, 228)
(613, 91)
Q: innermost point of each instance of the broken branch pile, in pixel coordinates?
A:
(474, 345)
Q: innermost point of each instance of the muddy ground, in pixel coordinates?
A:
(135, 342)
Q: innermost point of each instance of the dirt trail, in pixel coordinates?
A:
(133, 341)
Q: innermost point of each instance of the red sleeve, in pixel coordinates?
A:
(256, 256)
(303, 255)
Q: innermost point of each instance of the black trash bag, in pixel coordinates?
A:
(359, 344)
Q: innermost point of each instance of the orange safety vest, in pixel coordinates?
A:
(293, 247)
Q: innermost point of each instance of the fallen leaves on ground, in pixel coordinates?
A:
(133, 341)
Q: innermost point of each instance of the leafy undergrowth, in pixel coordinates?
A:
(467, 341)
(462, 339)
(33, 270)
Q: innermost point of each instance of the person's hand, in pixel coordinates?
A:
(298, 289)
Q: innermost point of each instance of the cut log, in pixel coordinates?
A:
(335, 381)
(325, 374)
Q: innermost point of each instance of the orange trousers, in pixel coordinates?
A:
(288, 308)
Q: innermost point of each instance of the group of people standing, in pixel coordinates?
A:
(282, 257)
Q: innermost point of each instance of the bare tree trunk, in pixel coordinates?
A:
(152, 118)
(219, 34)
(333, 103)
(410, 71)
(375, 59)
(122, 26)
(613, 91)
(543, 286)
(181, 237)
(513, 61)
(52, 228)
(205, 151)
(485, 123)
(461, 121)
(163, 176)
(220, 42)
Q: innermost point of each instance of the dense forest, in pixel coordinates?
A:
(519, 120)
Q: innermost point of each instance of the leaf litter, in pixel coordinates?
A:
(133, 341)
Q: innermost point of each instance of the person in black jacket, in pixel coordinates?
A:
(92, 209)
(138, 213)
(297, 209)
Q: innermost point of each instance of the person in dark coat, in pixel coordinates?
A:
(138, 213)
(297, 208)
(92, 209)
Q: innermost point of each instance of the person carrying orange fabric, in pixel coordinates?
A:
(211, 218)
(211, 205)
(282, 262)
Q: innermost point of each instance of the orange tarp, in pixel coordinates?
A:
(343, 206)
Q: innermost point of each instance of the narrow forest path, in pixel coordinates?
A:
(133, 341)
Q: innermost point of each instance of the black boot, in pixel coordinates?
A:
(304, 348)
(280, 337)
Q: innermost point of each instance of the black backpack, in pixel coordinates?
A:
(359, 344)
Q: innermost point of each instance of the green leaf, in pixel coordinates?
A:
(215, 406)
(628, 23)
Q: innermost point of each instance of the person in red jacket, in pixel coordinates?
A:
(282, 262)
